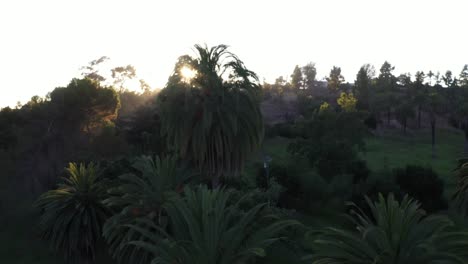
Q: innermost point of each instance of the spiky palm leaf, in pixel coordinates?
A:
(395, 233)
(461, 193)
(213, 119)
(207, 228)
(141, 195)
(72, 215)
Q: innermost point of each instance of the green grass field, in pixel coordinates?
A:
(397, 150)
(394, 149)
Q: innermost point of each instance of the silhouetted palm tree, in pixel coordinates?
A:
(208, 227)
(73, 214)
(395, 233)
(212, 118)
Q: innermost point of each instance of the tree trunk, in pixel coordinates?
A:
(433, 123)
(419, 116)
(466, 142)
(388, 117)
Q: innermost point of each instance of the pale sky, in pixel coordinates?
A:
(43, 43)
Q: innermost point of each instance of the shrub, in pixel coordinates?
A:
(371, 122)
(304, 189)
(422, 184)
(330, 141)
(286, 130)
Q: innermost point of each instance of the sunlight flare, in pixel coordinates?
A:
(187, 73)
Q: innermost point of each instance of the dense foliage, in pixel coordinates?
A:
(165, 191)
(72, 215)
(394, 233)
(213, 118)
(207, 226)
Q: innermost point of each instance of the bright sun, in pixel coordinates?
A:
(187, 73)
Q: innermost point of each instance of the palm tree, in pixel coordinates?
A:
(72, 215)
(394, 233)
(210, 111)
(141, 195)
(208, 227)
(461, 194)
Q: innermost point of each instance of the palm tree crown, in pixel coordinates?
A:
(394, 233)
(214, 118)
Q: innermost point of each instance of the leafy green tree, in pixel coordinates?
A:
(296, 79)
(141, 195)
(212, 119)
(434, 106)
(430, 75)
(437, 78)
(84, 103)
(8, 121)
(448, 78)
(404, 111)
(91, 71)
(460, 113)
(310, 73)
(330, 141)
(209, 227)
(335, 79)
(419, 94)
(420, 76)
(145, 87)
(386, 82)
(464, 76)
(121, 75)
(386, 79)
(394, 233)
(347, 102)
(404, 80)
(72, 215)
(143, 129)
(363, 86)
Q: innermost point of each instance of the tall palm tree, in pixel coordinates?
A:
(394, 233)
(141, 195)
(72, 215)
(212, 116)
(208, 227)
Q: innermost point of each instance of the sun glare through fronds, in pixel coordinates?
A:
(187, 73)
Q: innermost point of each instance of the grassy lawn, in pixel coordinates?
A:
(394, 149)
(398, 150)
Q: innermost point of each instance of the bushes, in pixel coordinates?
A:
(371, 122)
(286, 130)
(420, 183)
(305, 190)
(424, 185)
(330, 141)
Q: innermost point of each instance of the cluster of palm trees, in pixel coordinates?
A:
(153, 216)
(161, 212)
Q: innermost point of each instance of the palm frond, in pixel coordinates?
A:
(394, 232)
(207, 227)
(72, 215)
